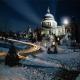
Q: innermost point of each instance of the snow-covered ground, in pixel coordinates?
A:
(67, 57)
(42, 66)
(25, 73)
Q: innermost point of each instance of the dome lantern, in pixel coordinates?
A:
(48, 10)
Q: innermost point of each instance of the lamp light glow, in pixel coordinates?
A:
(65, 20)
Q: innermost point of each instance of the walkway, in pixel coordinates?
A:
(34, 48)
(68, 59)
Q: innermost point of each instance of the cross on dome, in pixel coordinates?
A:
(48, 10)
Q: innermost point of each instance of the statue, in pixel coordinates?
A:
(12, 58)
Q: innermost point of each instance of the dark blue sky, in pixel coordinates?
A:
(17, 14)
(69, 8)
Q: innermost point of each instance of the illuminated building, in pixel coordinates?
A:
(49, 25)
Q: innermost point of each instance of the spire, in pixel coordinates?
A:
(48, 10)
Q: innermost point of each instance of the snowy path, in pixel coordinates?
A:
(32, 49)
(41, 62)
(44, 60)
(67, 59)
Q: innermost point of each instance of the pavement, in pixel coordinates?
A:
(65, 55)
(33, 48)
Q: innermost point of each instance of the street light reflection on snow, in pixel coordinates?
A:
(65, 20)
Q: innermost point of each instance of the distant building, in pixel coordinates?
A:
(49, 25)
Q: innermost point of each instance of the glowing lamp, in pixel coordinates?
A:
(65, 21)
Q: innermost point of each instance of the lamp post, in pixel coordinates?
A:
(66, 24)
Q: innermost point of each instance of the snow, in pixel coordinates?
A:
(23, 73)
(42, 66)
(68, 58)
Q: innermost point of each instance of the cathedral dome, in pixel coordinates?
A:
(48, 15)
(49, 21)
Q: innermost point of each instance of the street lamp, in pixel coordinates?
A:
(65, 21)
